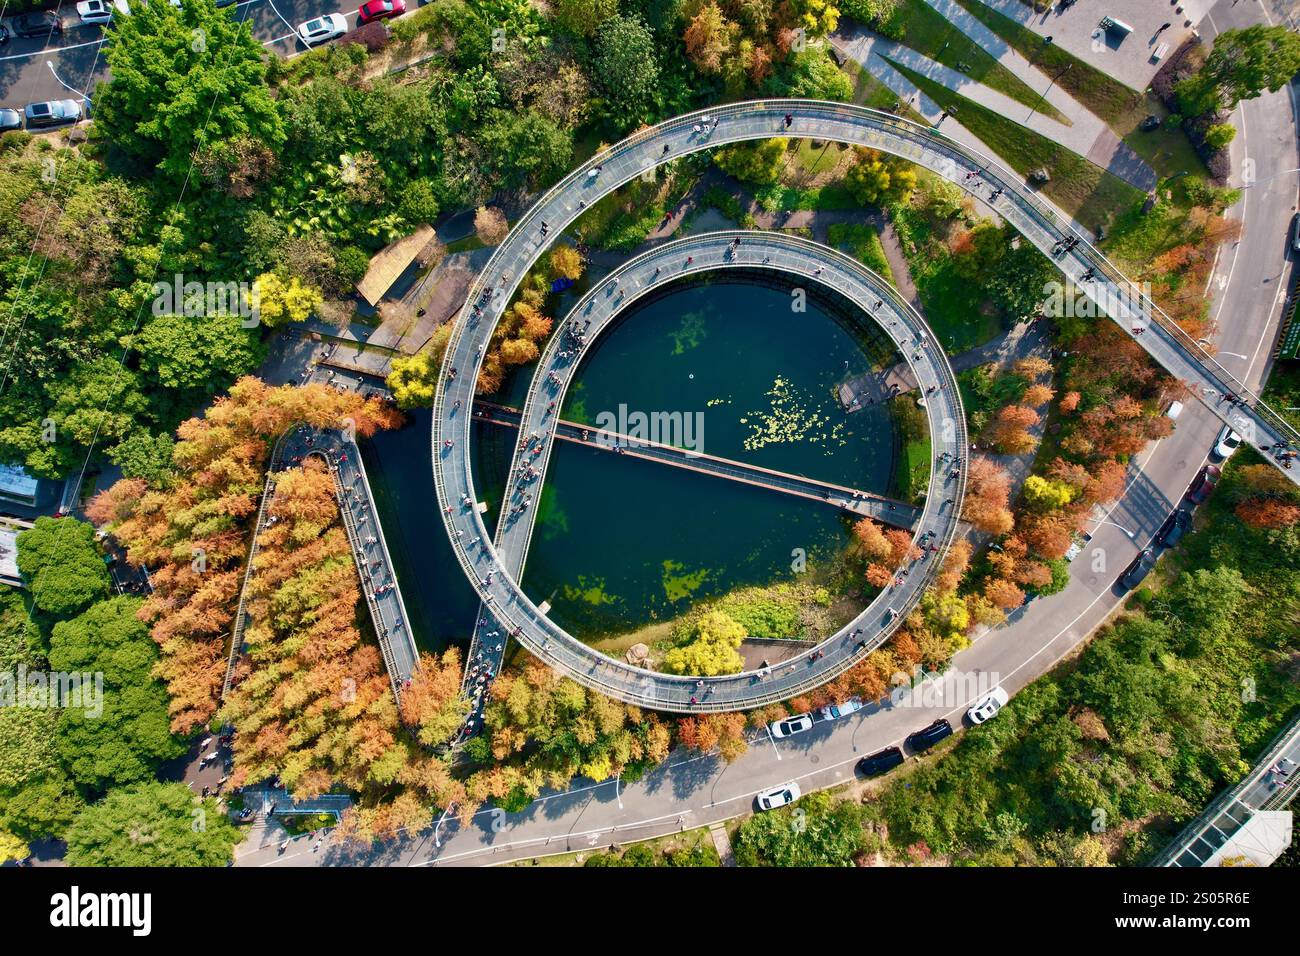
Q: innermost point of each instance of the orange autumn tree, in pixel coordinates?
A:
(312, 704)
(193, 534)
(1265, 498)
(988, 491)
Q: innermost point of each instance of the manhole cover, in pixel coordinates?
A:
(1182, 463)
(1093, 579)
(815, 759)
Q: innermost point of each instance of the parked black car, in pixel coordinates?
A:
(1136, 572)
(881, 762)
(927, 737)
(1175, 526)
(38, 23)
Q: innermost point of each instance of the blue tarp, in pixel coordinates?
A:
(560, 284)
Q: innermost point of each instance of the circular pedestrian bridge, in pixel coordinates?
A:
(638, 155)
(495, 569)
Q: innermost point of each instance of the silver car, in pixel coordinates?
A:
(52, 113)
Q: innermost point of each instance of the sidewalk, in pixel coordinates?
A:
(1089, 135)
(1128, 61)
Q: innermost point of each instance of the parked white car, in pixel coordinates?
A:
(322, 29)
(792, 725)
(987, 708)
(1229, 441)
(780, 797)
(95, 11)
(836, 711)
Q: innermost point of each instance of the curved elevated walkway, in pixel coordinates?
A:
(1038, 222)
(496, 568)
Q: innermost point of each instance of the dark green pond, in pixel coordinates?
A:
(621, 542)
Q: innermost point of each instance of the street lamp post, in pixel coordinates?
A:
(1039, 102)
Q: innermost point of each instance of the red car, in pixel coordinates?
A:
(1204, 484)
(380, 10)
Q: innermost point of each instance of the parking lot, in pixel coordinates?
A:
(33, 70)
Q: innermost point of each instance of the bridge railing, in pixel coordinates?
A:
(557, 641)
(237, 631)
(359, 556)
(1216, 808)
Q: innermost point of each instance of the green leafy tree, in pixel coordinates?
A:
(1018, 283)
(627, 69)
(37, 799)
(20, 638)
(62, 565)
(827, 833)
(152, 824)
(810, 74)
(758, 163)
(184, 80)
(1220, 135)
(200, 354)
(132, 735)
(1243, 64)
(529, 149)
(142, 455)
(876, 178)
(583, 17)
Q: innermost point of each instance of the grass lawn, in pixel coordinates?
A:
(1084, 190)
(863, 243)
(931, 34)
(913, 466)
(914, 469)
(1167, 151)
(955, 309)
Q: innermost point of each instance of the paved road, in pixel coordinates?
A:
(78, 59)
(495, 570)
